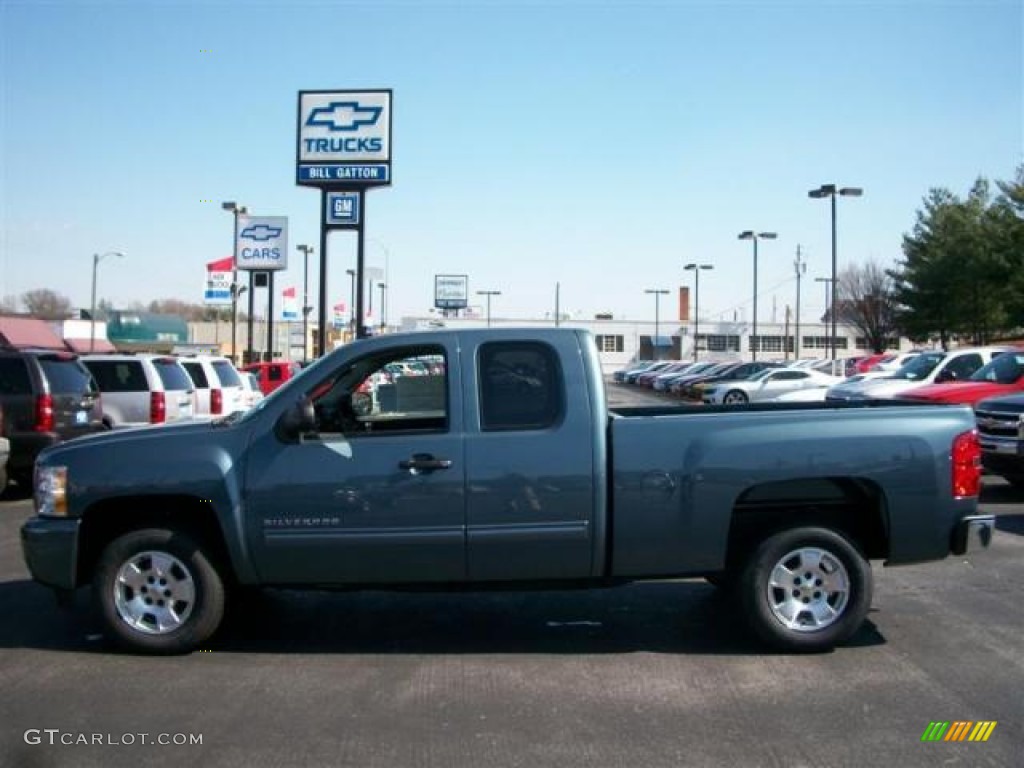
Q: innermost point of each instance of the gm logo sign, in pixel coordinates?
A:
(343, 208)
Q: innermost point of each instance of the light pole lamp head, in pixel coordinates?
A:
(767, 235)
(229, 205)
(747, 234)
(851, 191)
(825, 190)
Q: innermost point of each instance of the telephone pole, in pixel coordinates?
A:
(801, 268)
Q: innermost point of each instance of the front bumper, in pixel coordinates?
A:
(973, 533)
(50, 548)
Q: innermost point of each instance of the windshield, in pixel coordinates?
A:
(920, 367)
(1004, 369)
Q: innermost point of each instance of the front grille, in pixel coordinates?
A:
(999, 423)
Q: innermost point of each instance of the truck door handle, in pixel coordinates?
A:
(424, 462)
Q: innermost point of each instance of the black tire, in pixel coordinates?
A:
(177, 583)
(735, 397)
(840, 584)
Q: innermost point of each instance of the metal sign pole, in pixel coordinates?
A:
(252, 310)
(321, 345)
(360, 266)
(270, 318)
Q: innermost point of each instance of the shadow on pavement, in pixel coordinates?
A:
(667, 617)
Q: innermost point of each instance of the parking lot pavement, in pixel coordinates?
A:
(657, 674)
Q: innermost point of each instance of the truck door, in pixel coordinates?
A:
(529, 461)
(376, 494)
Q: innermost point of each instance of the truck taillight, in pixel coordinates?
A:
(966, 464)
(157, 408)
(216, 401)
(44, 413)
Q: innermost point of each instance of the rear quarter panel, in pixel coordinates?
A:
(677, 478)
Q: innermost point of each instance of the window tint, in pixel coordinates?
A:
(66, 376)
(962, 367)
(172, 374)
(366, 397)
(788, 375)
(118, 375)
(196, 373)
(520, 386)
(14, 378)
(226, 373)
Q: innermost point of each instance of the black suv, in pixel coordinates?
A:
(46, 397)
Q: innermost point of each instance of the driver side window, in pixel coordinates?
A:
(398, 391)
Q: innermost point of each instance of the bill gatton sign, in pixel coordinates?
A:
(344, 138)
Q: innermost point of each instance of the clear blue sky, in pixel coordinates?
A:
(601, 145)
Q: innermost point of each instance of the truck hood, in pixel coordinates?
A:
(960, 392)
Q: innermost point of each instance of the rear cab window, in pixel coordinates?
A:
(520, 386)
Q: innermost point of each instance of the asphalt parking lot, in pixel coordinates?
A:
(658, 674)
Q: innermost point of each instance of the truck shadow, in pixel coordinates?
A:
(686, 617)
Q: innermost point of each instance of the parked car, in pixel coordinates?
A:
(273, 374)
(632, 376)
(693, 388)
(620, 375)
(138, 390)
(5, 453)
(218, 385)
(47, 397)
(676, 383)
(766, 385)
(1001, 435)
(251, 393)
(1002, 376)
(927, 368)
(648, 378)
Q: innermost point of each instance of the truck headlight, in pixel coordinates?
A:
(51, 494)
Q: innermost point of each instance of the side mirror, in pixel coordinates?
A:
(297, 420)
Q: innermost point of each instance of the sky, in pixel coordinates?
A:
(597, 146)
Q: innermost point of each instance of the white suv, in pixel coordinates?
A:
(218, 385)
(138, 390)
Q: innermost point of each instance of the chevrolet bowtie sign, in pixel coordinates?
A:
(344, 138)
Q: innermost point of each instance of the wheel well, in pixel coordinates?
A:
(853, 507)
(108, 519)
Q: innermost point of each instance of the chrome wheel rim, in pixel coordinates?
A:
(154, 593)
(734, 397)
(808, 589)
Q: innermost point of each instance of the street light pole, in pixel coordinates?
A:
(801, 268)
(488, 294)
(306, 309)
(96, 259)
(696, 301)
(383, 319)
(658, 293)
(830, 191)
(236, 211)
(352, 302)
(749, 234)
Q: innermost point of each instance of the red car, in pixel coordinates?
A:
(1004, 375)
(273, 374)
(866, 363)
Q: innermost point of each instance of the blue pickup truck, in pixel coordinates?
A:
(494, 461)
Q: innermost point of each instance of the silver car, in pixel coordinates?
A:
(139, 390)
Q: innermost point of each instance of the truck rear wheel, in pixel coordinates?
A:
(806, 589)
(158, 592)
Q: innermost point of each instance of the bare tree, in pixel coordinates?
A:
(9, 304)
(867, 302)
(46, 304)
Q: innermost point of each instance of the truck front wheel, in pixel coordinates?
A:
(158, 592)
(806, 589)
